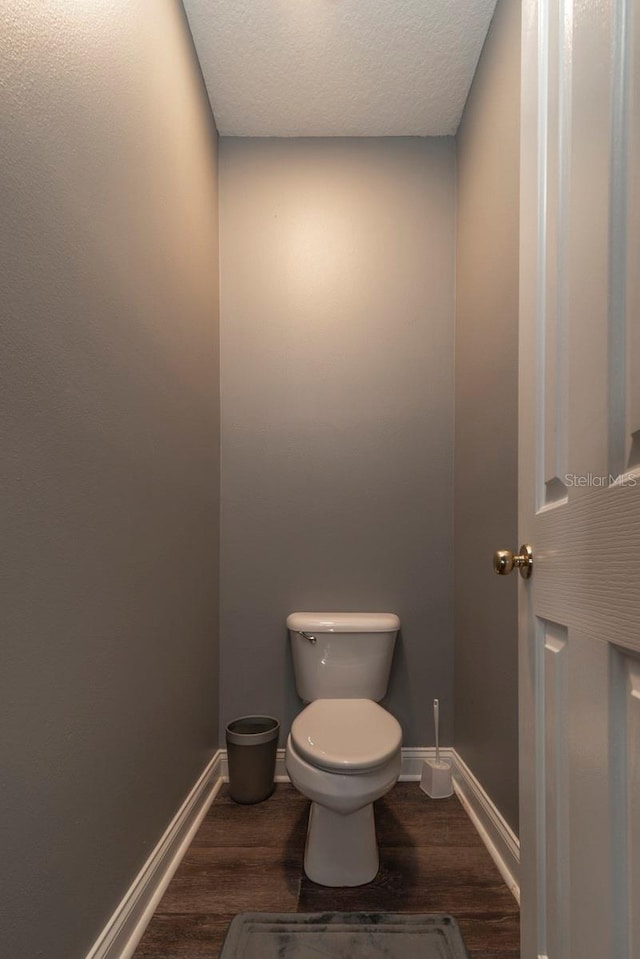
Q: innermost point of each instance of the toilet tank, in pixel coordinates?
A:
(349, 656)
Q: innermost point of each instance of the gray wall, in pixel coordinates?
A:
(109, 396)
(337, 281)
(486, 698)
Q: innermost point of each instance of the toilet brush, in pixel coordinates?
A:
(436, 775)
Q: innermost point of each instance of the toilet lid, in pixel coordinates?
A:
(347, 734)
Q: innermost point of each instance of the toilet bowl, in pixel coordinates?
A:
(343, 751)
(343, 754)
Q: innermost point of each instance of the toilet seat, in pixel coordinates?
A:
(346, 735)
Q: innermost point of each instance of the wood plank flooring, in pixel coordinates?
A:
(249, 858)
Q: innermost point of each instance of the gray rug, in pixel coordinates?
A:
(343, 935)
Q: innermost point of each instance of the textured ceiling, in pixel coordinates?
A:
(338, 67)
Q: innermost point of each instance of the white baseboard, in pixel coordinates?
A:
(501, 842)
(123, 932)
(412, 759)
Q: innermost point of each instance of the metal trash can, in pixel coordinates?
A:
(252, 742)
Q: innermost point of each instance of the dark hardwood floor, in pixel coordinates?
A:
(249, 858)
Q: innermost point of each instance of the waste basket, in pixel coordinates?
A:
(252, 742)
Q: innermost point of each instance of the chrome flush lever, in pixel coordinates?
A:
(312, 639)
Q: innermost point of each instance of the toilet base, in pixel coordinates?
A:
(341, 850)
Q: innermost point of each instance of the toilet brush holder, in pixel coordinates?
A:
(436, 779)
(436, 774)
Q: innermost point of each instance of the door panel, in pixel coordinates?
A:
(625, 799)
(552, 328)
(625, 237)
(553, 713)
(579, 450)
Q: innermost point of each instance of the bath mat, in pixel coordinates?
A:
(343, 935)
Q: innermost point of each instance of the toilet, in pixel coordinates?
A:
(344, 750)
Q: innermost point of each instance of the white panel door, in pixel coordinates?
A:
(579, 480)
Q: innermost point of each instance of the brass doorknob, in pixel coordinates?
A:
(504, 561)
